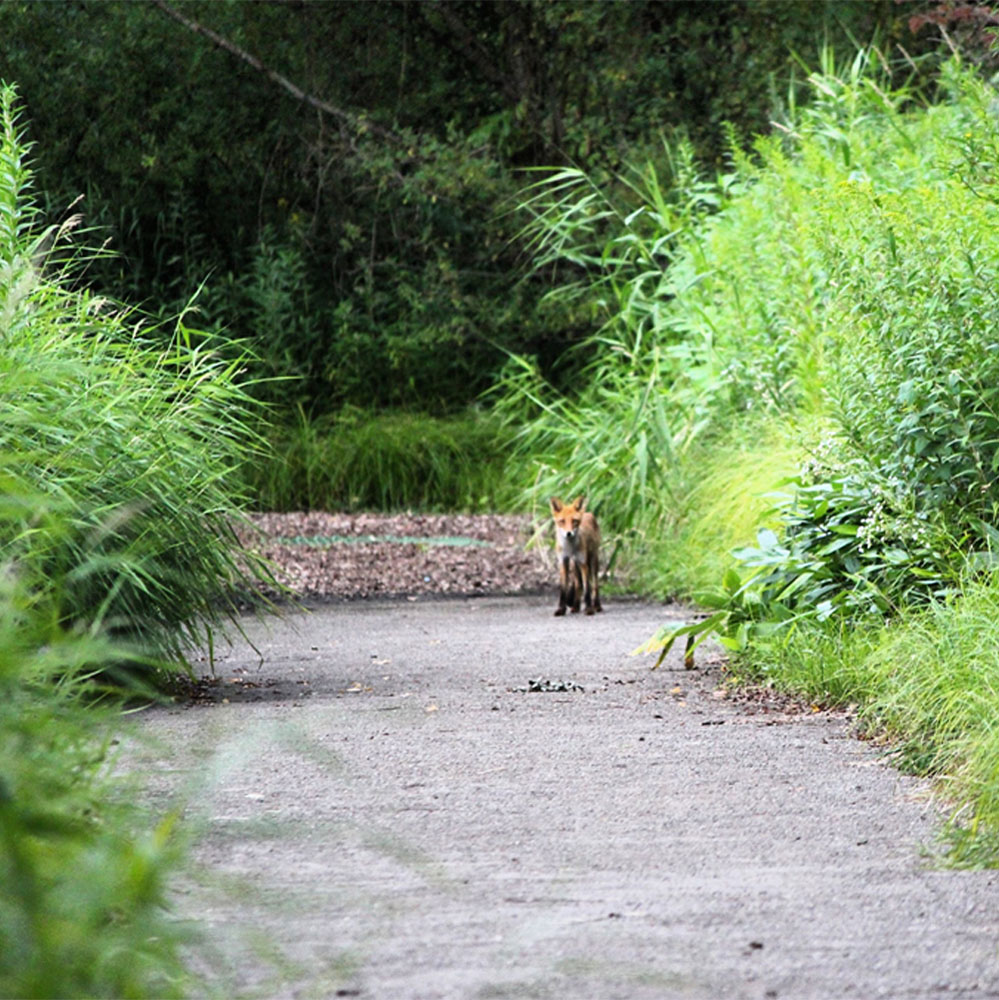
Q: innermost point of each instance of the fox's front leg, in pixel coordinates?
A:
(575, 587)
(565, 595)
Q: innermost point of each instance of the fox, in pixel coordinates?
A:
(577, 546)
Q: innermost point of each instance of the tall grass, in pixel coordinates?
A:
(765, 296)
(117, 470)
(359, 460)
(727, 490)
(127, 449)
(642, 433)
(827, 307)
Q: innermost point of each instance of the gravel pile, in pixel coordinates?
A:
(342, 556)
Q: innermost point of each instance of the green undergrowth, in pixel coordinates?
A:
(361, 460)
(83, 869)
(118, 449)
(791, 411)
(925, 683)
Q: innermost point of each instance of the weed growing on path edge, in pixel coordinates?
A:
(926, 684)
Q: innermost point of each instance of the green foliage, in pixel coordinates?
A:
(358, 460)
(281, 320)
(835, 285)
(910, 491)
(119, 448)
(881, 318)
(848, 546)
(125, 446)
(363, 250)
(622, 436)
(82, 911)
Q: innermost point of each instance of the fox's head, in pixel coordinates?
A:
(568, 516)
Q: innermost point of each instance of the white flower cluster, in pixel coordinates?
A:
(824, 462)
(885, 522)
(875, 527)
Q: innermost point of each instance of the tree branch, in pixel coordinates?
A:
(353, 121)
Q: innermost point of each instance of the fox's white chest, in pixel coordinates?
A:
(569, 547)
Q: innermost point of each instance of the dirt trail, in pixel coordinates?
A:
(389, 813)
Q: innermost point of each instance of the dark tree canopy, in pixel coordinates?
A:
(337, 173)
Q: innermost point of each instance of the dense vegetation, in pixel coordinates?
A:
(487, 252)
(819, 331)
(360, 240)
(120, 444)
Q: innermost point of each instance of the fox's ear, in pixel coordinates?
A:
(580, 504)
(556, 505)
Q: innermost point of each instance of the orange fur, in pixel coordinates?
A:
(577, 545)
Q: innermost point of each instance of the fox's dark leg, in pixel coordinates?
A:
(575, 587)
(563, 586)
(591, 576)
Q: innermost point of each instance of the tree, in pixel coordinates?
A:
(337, 173)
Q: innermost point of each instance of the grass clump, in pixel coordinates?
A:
(728, 491)
(359, 460)
(926, 684)
(124, 438)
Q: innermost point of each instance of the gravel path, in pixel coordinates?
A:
(341, 556)
(468, 798)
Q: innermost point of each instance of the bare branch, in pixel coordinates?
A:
(353, 121)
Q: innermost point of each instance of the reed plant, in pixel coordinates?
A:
(126, 447)
(389, 461)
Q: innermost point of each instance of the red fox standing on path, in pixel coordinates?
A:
(577, 544)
